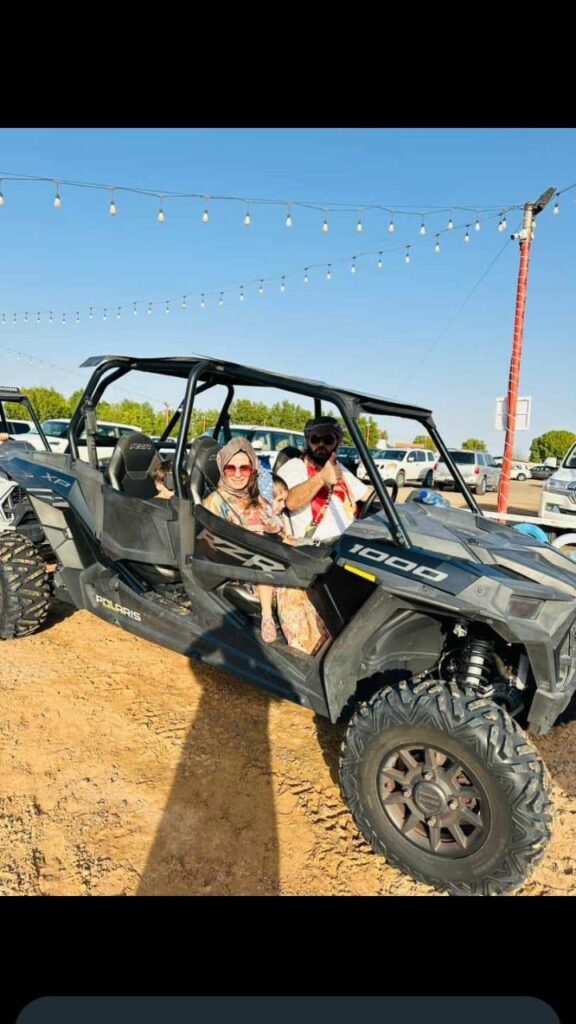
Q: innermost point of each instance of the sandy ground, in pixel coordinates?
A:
(126, 769)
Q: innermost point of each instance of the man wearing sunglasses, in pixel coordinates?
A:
(322, 494)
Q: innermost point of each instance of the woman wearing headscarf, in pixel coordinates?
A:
(238, 499)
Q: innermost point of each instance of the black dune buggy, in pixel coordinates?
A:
(449, 633)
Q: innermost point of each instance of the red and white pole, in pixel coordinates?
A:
(525, 236)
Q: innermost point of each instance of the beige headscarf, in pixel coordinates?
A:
(237, 444)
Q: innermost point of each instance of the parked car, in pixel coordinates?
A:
(404, 465)
(349, 456)
(541, 472)
(56, 431)
(24, 430)
(558, 496)
(267, 441)
(477, 468)
(520, 471)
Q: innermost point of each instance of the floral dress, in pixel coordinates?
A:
(299, 620)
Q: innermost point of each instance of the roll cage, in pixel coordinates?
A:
(204, 372)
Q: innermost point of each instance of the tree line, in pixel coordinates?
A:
(51, 404)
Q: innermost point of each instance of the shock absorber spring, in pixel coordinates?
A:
(476, 662)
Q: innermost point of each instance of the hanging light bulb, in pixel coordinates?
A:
(167, 307)
(183, 302)
(503, 222)
(407, 256)
(221, 299)
(77, 318)
(25, 318)
(283, 285)
(359, 226)
(353, 268)
(450, 224)
(135, 309)
(161, 214)
(437, 245)
(261, 288)
(57, 197)
(477, 224)
(555, 210)
(500, 225)
(50, 317)
(38, 318)
(467, 235)
(247, 218)
(325, 227)
(202, 301)
(241, 293)
(14, 319)
(288, 221)
(422, 228)
(118, 312)
(3, 319)
(329, 272)
(379, 264)
(391, 226)
(63, 318)
(91, 313)
(105, 314)
(149, 310)
(112, 209)
(1, 195)
(305, 275)
(205, 216)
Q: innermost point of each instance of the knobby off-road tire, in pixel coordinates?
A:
(465, 765)
(24, 587)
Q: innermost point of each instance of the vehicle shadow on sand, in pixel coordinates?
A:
(218, 834)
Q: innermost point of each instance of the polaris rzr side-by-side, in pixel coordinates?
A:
(450, 634)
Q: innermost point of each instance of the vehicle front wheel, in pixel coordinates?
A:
(521, 476)
(24, 586)
(401, 479)
(447, 787)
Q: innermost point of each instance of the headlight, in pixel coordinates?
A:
(524, 607)
(559, 485)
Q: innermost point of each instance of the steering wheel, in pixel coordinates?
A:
(368, 505)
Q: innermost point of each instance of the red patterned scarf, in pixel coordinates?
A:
(322, 500)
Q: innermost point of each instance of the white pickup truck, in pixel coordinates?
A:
(558, 498)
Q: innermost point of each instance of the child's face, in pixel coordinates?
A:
(279, 500)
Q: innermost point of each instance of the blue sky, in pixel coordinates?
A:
(392, 332)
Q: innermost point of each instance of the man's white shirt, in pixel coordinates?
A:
(336, 519)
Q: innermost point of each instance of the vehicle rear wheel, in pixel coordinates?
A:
(447, 787)
(24, 586)
(481, 486)
(429, 479)
(521, 476)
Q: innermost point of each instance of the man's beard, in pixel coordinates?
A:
(318, 458)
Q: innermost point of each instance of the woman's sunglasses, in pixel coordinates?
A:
(323, 439)
(244, 471)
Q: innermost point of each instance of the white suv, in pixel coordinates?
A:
(404, 465)
(56, 431)
(478, 469)
(267, 441)
(558, 498)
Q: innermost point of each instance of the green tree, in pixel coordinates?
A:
(474, 444)
(48, 404)
(425, 442)
(555, 443)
